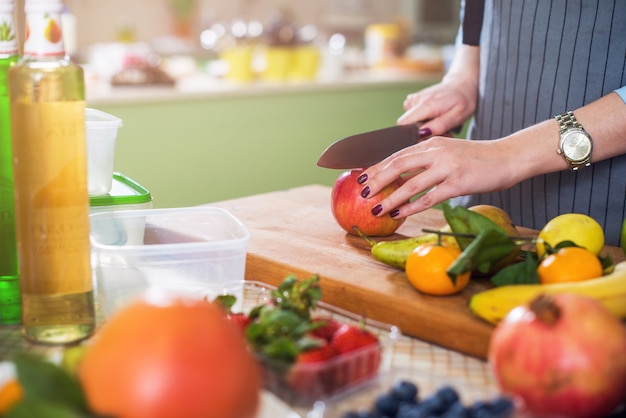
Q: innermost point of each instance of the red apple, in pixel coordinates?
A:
(350, 209)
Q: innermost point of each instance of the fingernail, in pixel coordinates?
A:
(362, 178)
(377, 209)
(365, 192)
(424, 132)
(394, 213)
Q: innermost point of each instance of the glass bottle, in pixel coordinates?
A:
(47, 95)
(9, 274)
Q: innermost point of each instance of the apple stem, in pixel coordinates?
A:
(362, 235)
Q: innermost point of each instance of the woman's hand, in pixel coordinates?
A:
(441, 107)
(439, 168)
(447, 105)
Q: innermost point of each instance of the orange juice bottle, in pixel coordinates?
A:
(47, 97)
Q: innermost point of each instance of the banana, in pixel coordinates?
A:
(610, 290)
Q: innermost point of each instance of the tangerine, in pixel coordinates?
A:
(172, 359)
(10, 394)
(569, 264)
(426, 268)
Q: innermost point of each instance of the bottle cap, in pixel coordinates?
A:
(43, 6)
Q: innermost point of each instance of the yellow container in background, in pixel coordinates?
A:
(239, 60)
(278, 63)
(305, 64)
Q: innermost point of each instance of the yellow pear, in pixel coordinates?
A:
(501, 218)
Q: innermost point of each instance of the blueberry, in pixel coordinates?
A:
(456, 410)
(404, 391)
(386, 405)
(501, 407)
(408, 410)
(480, 409)
(432, 405)
(448, 395)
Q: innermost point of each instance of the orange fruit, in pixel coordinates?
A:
(426, 268)
(173, 359)
(569, 264)
(10, 394)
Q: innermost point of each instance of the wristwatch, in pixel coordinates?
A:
(576, 144)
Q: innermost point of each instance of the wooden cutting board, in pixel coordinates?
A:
(293, 232)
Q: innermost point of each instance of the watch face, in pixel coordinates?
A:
(576, 145)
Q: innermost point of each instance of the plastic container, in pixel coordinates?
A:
(125, 194)
(182, 251)
(345, 374)
(101, 133)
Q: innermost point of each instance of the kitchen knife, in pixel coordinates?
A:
(368, 148)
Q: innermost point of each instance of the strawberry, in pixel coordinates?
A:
(362, 349)
(240, 319)
(311, 374)
(325, 327)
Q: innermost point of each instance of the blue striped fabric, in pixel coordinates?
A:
(540, 58)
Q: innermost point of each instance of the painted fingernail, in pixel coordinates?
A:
(377, 209)
(365, 192)
(424, 132)
(362, 178)
(394, 213)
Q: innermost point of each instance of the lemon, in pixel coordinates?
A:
(581, 229)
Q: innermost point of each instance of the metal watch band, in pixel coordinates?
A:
(567, 121)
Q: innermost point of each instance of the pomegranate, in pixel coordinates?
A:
(561, 355)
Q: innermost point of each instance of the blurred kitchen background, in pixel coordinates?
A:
(222, 99)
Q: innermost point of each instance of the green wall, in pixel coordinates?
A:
(191, 151)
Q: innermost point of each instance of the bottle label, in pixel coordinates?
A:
(43, 35)
(8, 39)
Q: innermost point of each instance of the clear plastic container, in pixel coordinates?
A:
(345, 374)
(125, 194)
(182, 251)
(101, 130)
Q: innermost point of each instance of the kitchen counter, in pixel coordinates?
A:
(201, 86)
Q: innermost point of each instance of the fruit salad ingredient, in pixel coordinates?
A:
(172, 358)
(579, 228)
(609, 290)
(350, 209)
(402, 401)
(427, 270)
(562, 355)
(569, 264)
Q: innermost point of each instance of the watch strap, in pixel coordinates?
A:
(567, 121)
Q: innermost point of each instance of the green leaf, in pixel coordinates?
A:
(37, 408)
(489, 247)
(465, 221)
(46, 382)
(524, 272)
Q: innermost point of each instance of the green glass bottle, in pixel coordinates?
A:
(47, 96)
(9, 275)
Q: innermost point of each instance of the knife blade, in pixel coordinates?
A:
(368, 148)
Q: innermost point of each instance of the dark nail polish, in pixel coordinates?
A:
(394, 213)
(377, 209)
(362, 178)
(424, 132)
(365, 192)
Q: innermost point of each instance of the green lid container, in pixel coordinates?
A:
(124, 194)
